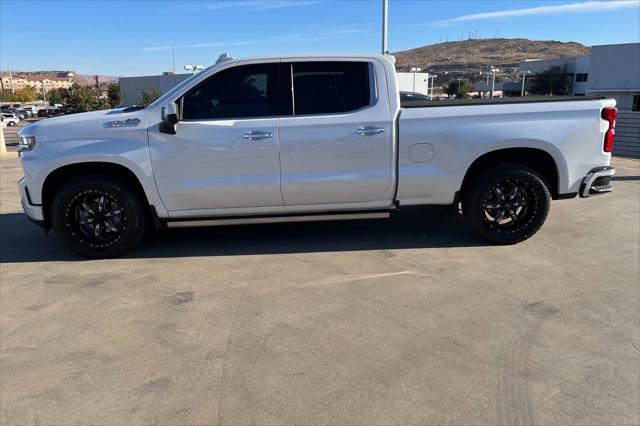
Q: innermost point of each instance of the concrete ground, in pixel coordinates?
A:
(407, 321)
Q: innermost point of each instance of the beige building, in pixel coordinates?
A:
(49, 83)
(12, 82)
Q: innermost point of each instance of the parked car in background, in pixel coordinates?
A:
(31, 110)
(51, 112)
(20, 114)
(10, 119)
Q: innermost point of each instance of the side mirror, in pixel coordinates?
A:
(169, 118)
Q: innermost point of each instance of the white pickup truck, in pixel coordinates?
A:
(297, 138)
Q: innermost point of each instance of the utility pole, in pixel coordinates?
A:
(173, 57)
(11, 82)
(385, 13)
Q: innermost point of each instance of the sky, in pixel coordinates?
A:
(129, 38)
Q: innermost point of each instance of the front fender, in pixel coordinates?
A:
(132, 154)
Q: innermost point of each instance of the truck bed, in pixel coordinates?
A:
(419, 103)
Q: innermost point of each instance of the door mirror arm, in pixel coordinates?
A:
(169, 119)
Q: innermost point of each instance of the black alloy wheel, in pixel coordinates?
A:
(98, 216)
(506, 204)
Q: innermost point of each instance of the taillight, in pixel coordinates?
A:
(609, 114)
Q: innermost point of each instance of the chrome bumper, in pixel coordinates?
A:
(597, 181)
(33, 211)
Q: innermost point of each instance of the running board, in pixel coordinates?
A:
(275, 219)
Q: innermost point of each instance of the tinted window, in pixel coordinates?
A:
(330, 87)
(239, 92)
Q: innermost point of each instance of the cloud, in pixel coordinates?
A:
(588, 6)
(156, 48)
(343, 32)
(255, 5)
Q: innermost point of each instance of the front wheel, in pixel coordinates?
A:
(98, 216)
(506, 204)
(11, 123)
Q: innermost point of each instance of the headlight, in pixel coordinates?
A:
(26, 143)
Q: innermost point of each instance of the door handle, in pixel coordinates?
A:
(368, 131)
(257, 135)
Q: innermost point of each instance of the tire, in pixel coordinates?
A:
(506, 204)
(95, 201)
(12, 123)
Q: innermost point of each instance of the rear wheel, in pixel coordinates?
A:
(506, 204)
(98, 216)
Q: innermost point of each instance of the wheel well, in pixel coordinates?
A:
(536, 159)
(60, 176)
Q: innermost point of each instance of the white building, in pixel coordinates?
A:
(414, 82)
(611, 70)
(131, 88)
(576, 66)
(614, 71)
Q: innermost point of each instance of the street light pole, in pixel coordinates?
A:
(193, 68)
(433, 77)
(493, 80)
(385, 12)
(414, 71)
(524, 75)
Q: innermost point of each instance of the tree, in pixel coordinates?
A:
(6, 96)
(84, 98)
(57, 96)
(147, 98)
(102, 103)
(113, 94)
(26, 94)
(459, 88)
(555, 80)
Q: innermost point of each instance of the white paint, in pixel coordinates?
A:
(208, 169)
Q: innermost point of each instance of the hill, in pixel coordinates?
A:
(91, 79)
(472, 56)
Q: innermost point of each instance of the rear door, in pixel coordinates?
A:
(337, 146)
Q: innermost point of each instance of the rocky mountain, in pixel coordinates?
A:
(475, 55)
(91, 79)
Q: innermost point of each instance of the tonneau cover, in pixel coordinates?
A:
(419, 103)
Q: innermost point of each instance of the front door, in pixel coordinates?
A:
(225, 151)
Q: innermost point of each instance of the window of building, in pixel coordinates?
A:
(330, 87)
(582, 77)
(239, 92)
(636, 103)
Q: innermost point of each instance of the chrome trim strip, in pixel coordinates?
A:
(591, 177)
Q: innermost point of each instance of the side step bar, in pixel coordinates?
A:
(275, 219)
